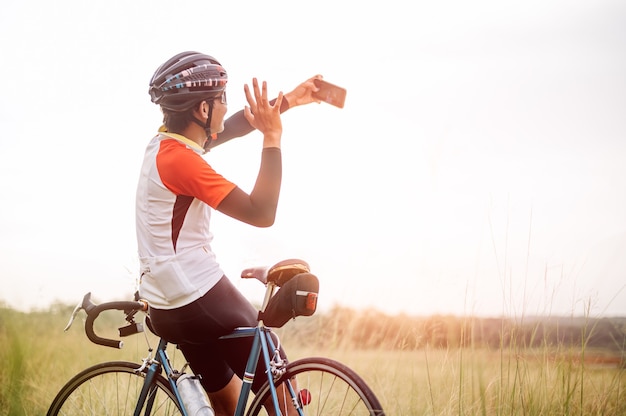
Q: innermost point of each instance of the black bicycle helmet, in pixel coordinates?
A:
(187, 79)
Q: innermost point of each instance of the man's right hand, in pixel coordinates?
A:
(262, 115)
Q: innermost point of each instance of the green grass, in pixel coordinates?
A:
(513, 379)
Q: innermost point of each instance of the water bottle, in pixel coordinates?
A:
(193, 396)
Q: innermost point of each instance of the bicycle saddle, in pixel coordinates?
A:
(279, 274)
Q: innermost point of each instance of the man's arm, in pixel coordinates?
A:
(259, 208)
(237, 125)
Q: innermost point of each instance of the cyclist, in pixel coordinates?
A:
(191, 302)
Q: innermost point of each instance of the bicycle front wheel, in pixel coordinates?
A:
(323, 387)
(112, 388)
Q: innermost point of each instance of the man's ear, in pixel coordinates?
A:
(202, 109)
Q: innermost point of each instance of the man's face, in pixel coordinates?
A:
(219, 112)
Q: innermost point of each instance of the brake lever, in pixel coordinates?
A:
(85, 304)
(76, 309)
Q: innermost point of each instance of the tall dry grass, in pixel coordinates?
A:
(516, 378)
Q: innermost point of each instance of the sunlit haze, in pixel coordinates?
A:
(478, 166)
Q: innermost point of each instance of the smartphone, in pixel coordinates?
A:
(330, 93)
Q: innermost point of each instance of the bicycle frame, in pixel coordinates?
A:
(151, 387)
(262, 344)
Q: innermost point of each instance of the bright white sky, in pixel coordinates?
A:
(478, 166)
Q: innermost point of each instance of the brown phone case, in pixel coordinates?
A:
(330, 93)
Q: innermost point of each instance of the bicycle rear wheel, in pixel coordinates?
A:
(111, 388)
(333, 390)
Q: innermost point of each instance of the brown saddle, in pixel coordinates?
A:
(279, 274)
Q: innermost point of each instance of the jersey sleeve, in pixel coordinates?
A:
(185, 172)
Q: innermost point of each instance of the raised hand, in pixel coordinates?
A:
(302, 94)
(262, 115)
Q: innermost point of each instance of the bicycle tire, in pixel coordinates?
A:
(335, 390)
(111, 388)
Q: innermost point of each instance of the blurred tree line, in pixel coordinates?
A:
(344, 327)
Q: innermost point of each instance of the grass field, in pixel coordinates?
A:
(38, 358)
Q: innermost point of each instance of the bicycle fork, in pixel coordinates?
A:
(149, 389)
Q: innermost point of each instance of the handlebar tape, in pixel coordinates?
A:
(95, 312)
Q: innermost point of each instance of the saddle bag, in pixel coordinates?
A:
(296, 297)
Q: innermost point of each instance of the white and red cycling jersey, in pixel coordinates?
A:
(176, 191)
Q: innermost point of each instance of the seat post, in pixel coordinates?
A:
(269, 291)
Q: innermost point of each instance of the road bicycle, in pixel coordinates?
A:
(309, 386)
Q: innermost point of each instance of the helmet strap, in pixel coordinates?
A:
(206, 125)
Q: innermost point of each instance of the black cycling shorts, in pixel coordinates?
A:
(196, 327)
